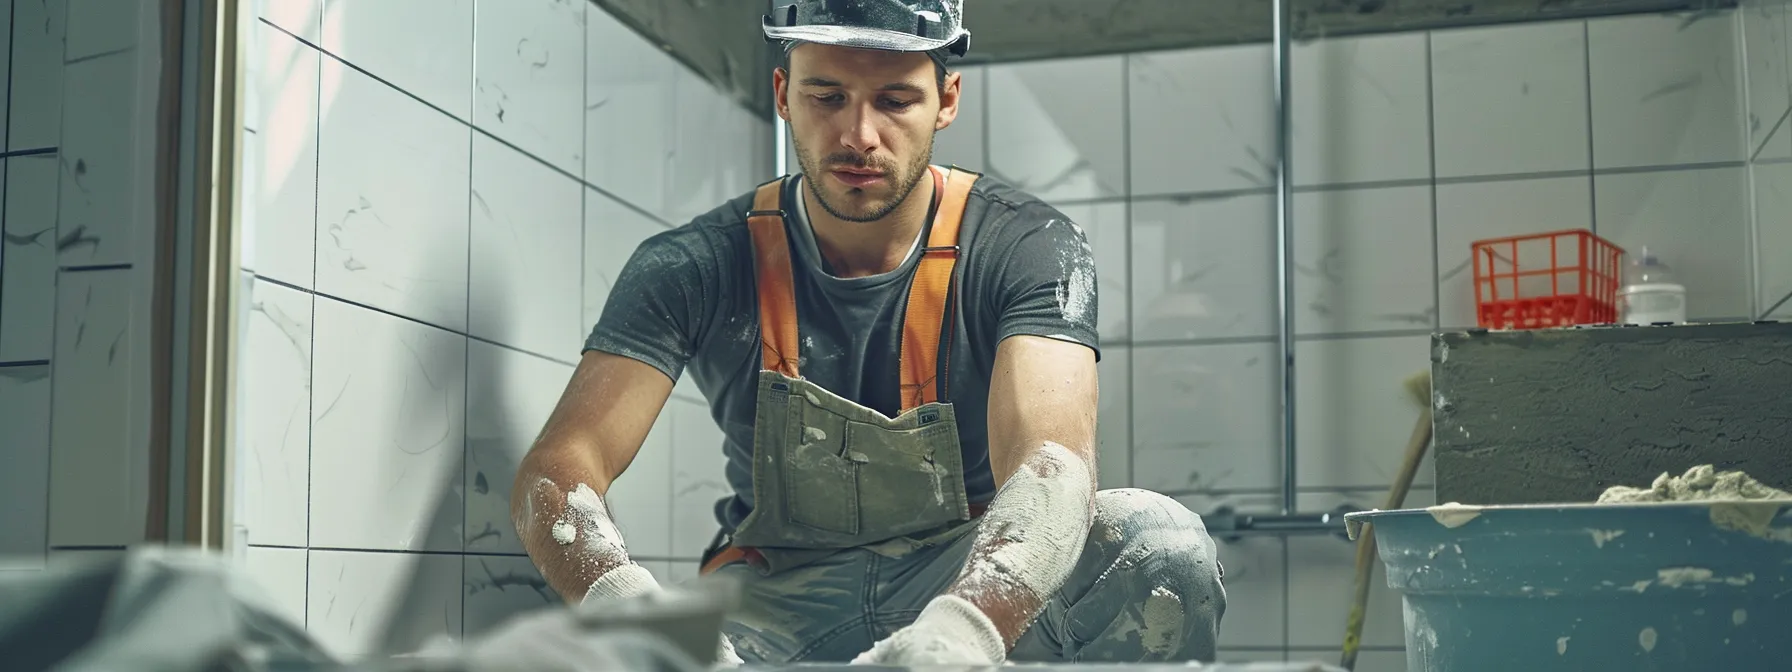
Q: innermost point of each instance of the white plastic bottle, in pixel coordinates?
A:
(1650, 293)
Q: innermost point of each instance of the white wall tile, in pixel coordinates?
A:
(25, 482)
(1510, 99)
(630, 131)
(1255, 569)
(1665, 89)
(1113, 431)
(1247, 656)
(281, 170)
(1773, 219)
(102, 26)
(1058, 128)
(1694, 220)
(1204, 268)
(28, 273)
(362, 604)
(280, 574)
(424, 47)
(612, 232)
(525, 252)
(1362, 260)
(1769, 89)
(1104, 225)
(387, 432)
(697, 481)
(105, 206)
(965, 142)
(303, 18)
(6, 38)
(684, 571)
(529, 84)
(276, 415)
(1479, 211)
(1202, 120)
(1353, 413)
(392, 201)
(499, 587)
(509, 397)
(35, 107)
(1206, 417)
(1322, 571)
(1379, 661)
(99, 471)
(722, 151)
(1362, 109)
(640, 500)
(60, 557)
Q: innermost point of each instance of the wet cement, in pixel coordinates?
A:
(1545, 416)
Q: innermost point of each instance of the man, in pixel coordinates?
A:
(903, 360)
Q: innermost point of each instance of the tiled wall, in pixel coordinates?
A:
(440, 192)
(1407, 147)
(75, 267)
(1766, 29)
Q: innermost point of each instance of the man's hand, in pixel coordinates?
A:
(950, 631)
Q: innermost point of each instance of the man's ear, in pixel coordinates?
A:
(949, 97)
(781, 92)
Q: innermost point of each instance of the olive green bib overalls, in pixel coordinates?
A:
(828, 473)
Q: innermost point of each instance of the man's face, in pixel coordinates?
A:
(863, 122)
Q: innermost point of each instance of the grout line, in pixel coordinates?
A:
(1492, 178)
(317, 162)
(95, 267)
(1586, 33)
(88, 547)
(1437, 297)
(1242, 340)
(40, 151)
(1756, 154)
(388, 313)
(476, 129)
(467, 352)
(1274, 492)
(1131, 282)
(5, 182)
(24, 363)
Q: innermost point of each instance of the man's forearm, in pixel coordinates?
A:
(1029, 539)
(565, 525)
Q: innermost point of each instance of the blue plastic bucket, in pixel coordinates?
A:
(1645, 587)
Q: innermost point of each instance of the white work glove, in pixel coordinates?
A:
(631, 581)
(949, 631)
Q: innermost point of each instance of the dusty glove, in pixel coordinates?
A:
(949, 631)
(623, 582)
(725, 655)
(630, 581)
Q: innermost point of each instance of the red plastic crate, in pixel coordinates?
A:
(1542, 280)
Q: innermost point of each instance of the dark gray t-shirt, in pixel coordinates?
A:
(687, 299)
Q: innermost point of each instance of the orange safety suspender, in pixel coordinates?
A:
(929, 299)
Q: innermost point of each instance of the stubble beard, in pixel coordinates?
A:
(904, 179)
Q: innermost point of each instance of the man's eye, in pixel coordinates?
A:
(899, 104)
(830, 99)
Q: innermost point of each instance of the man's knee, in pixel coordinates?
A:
(1178, 573)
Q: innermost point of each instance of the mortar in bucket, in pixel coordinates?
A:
(1646, 586)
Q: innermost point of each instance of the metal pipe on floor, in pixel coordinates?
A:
(1284, 13)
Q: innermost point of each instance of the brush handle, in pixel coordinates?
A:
(1416, 445)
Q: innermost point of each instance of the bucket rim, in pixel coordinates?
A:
(1454, 514)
